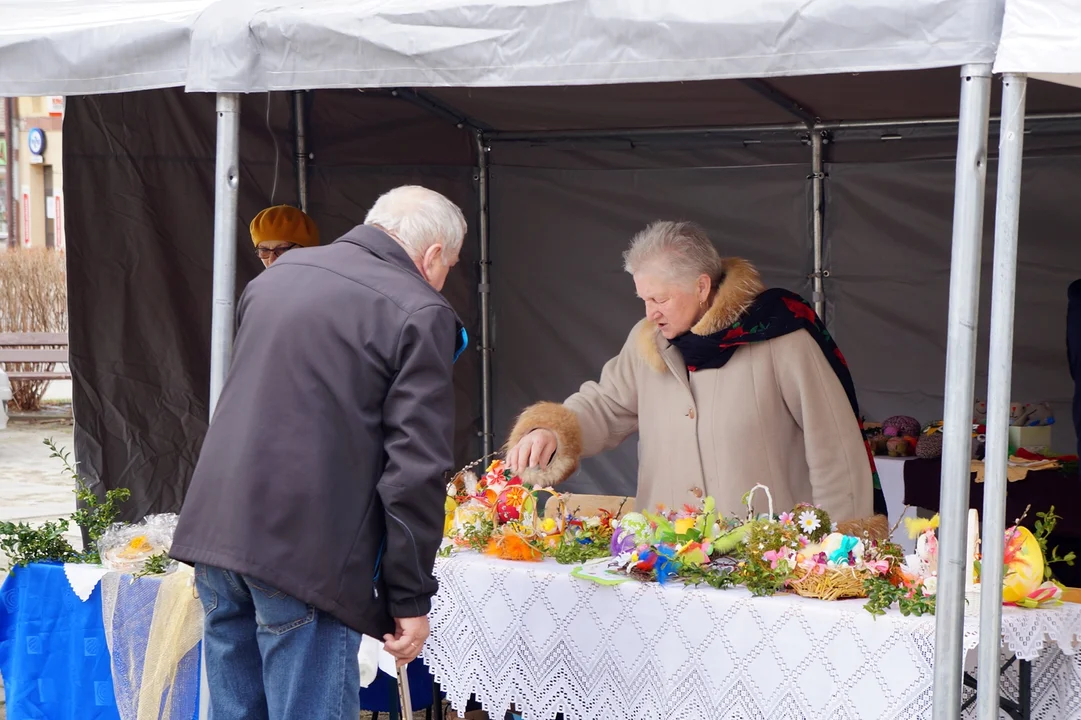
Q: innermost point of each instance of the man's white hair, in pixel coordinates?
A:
(419, 218)
(681, 252)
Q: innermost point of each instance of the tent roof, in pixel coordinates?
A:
(1042, 38)
(726, 103)
(74, 47)
(99, 46)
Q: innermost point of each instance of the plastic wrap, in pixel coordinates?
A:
(127, 547)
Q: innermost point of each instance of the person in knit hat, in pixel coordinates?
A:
(281, 228)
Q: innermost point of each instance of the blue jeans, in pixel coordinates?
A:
(270, 656)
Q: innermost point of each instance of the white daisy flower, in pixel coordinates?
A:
(808, 521)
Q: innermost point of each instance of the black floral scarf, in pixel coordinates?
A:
(774, 313)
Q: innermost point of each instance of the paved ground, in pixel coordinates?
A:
(33, 487)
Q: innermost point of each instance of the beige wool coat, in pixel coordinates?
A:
(774, 414)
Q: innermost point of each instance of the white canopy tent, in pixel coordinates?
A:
(105, 46)
(229, 47)
(1041, 38)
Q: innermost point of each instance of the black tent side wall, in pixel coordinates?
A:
(561, 218)
(139, 173)
(139, 183)
(140, 176)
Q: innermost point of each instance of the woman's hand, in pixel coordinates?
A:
(534, 450)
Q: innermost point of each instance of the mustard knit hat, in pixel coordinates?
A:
(284, 222)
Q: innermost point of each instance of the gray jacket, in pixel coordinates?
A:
(322, 473)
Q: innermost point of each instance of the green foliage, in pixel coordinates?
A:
(154, 565)
(704, 575)
(24, 544)
(94, 515)
(477, 537)
(575, 553)
(760, 579)
(1045, 525)
(882, 594)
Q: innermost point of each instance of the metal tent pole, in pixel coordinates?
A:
(817, 177)
(485, 290)
(301, 149)
(226, 180)
(964, 309)
(999, 378)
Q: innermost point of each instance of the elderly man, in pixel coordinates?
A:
(316, 508)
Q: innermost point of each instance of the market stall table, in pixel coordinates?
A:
(63, 657)
(530, 635)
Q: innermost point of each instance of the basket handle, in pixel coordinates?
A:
(561, 508)
(749, 499)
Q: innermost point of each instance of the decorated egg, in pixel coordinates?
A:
(513, 504)
(635, 524)
(1024, 565)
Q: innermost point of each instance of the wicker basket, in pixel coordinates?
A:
(833, 584)
(513, 540)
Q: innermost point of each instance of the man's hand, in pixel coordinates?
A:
(535, 450)
(408, 639)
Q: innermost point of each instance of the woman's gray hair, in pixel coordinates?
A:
(679, 251)
(419, 218)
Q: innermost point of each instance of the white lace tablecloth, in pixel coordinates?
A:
(530, 635)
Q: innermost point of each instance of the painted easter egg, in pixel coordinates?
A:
(513, 504)
(1024, 565)
(635, 524)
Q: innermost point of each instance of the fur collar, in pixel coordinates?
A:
(738, 289)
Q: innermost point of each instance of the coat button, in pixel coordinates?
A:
(690, 413)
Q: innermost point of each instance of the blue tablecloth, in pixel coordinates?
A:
(55, 661)
(53, 654)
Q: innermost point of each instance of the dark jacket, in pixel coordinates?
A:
(1073, 351)
(322, 473)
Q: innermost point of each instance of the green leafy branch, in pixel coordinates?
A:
(882, 595)
(573, 552)
(1045, 525)
(154, 565)
(24, 544)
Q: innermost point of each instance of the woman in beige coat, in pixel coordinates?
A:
(728, 385)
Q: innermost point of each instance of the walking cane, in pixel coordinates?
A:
(403, 693)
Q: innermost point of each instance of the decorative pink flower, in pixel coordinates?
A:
(787, 519)
(879, 567)
(803, 541)
(774, 557)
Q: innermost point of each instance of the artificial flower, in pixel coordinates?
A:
(622, 542)
(787, 519)
(808, 521)
(918, 526)
(879, 567)
(1046, 595)
(684, 525)
(776, 557)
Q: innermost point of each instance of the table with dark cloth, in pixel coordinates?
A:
(1038, 491)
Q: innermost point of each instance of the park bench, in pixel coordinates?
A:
(22, 349)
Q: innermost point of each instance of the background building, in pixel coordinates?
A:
(35, 149)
